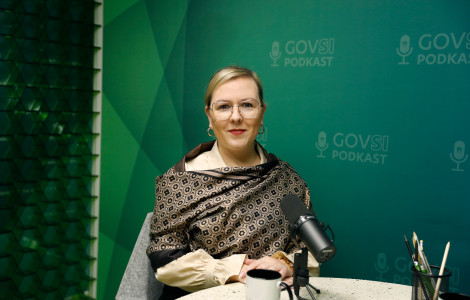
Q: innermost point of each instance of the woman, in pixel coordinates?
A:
(217, 212)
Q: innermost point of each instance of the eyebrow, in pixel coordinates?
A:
(227, 100)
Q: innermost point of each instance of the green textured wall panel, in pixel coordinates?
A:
(47, 114)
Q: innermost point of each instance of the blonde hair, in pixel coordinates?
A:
(228, 73)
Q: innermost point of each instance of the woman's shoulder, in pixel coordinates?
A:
(289, 169)
(286, 165)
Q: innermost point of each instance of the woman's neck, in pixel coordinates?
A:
(247, 158)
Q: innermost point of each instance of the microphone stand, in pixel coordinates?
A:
(301, 274)
(301, 277)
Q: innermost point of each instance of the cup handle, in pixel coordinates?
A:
(287, 288)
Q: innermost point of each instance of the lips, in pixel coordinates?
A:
(237, 131)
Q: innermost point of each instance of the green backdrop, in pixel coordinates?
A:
(367, 100)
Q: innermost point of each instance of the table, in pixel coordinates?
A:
(331, 289)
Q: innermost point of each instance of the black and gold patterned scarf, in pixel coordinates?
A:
(223, 211)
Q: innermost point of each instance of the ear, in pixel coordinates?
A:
(208, 113)
(262, 113)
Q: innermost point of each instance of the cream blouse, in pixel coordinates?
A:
(213, 159)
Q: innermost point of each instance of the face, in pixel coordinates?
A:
(236, 134)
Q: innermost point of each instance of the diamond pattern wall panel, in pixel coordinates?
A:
(46, 135)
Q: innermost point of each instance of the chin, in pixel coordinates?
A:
(239, 145)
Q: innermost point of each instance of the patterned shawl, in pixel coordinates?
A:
(224, 211)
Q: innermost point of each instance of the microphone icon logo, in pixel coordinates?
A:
(381, 266)
(405, 49)
(321, 143)
(459, 155)
(275, 54)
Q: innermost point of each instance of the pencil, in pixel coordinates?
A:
(441, 271)
(418, 259)
(415, 263)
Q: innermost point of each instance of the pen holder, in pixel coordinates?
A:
(425, 284)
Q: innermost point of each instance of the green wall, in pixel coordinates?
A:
(48, 149)
(390, 114)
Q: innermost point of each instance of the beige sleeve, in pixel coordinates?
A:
(198, 270)
(312, 265)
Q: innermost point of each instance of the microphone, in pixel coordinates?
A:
(275, 54)
(321, 144)
(405, 49)
(405, 44)
(459, 155)
(381, 265)
(306, 226)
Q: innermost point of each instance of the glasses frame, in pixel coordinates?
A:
(231, 112)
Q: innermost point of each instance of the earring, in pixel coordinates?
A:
(262, 130)
(209, 132)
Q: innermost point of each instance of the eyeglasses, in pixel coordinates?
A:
(248, 109)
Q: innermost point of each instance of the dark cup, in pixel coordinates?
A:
(425, 284)
(454, 296)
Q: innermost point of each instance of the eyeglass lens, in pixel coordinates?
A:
(247, 109)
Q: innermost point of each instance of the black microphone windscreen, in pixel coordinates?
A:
(293, 208)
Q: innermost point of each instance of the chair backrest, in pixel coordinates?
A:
(138, 281)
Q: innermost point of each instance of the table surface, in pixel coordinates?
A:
(330, 288)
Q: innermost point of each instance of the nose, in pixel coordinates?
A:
(236, 116)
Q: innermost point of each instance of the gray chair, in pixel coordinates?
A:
(139, 280)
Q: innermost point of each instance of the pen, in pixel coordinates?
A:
(416, 265)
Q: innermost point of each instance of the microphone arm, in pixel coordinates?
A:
(301, 275)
